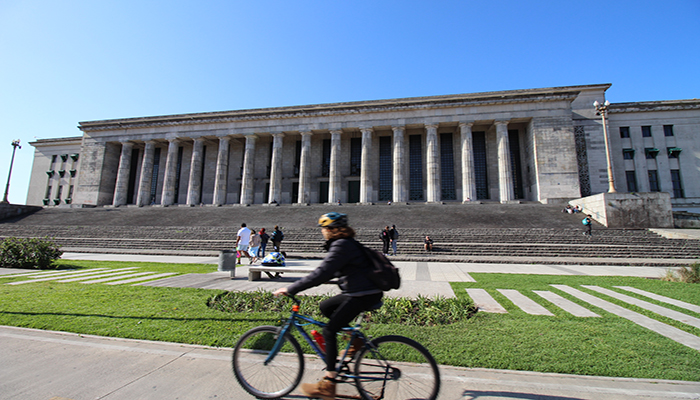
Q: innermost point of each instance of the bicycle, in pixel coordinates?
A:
(268, 361)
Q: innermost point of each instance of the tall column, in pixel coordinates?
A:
(276, 169)
(168, 196)
(221, 179)
(247, 185)
(143, 197)
(505, 176)
(468, 177)
(122, 186)
(304, 168)
(433, 164)
(399, 179)
(334, 173)
(195, 183)
(366, 166)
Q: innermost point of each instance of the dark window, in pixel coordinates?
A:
(48, 192)
(628, 154)
(201, 177)
(624, 132)
(631, 181)
(154, 175)
(53, 159)
(646, 131)
(385, 168)
(322, 192)
(447, 167)
(70, 191)
(297, 160)
(677, 184)
(355, 156)
(269, 160)
(514, 142)
(651, 153)
(131, 189)
(415, 167)
(60, 190)
(480, 165)
(295, 192)
(668, 130)
(326, 159)
(178, 168)
(654, 181)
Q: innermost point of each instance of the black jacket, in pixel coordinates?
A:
(345, 261)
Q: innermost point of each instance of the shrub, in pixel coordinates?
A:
(28, 253)
(687, 274)
(417, 312)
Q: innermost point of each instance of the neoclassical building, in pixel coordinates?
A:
(509, 146)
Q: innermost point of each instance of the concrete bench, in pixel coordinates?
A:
(255, 271)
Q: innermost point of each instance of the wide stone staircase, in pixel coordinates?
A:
(476, 233)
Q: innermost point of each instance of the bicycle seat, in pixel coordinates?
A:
(376, 306)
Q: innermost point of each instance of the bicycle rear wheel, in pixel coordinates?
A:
(278, 377)
(396, 368)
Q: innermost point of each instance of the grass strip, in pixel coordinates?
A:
(606, 346)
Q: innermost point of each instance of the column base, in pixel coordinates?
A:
(271, 204)
(434, 202)
(511, 202)
(472, 202)
(365, 204)
(300, 204)
(399, 203)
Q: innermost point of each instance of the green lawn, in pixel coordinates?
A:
(606, 346)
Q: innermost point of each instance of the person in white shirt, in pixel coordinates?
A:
(242, 243)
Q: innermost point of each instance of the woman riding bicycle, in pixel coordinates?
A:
(345, 261)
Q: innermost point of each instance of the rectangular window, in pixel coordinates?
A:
(646, 131)
(154, 175)
(677, 184)
(447, 167)
(48, 192)
(480, 165)
(178, 169)
(326, 159)
(624, 132)
(415, 167)
(60, 191)
(269, 160)
(355, 156)
(385, 168)
(673, 152)
(654, 181)
(631, 181)
(628, 154)
(53, 160)
(514, 142)
(297, 160)
(668, 130)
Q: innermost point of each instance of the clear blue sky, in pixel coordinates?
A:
(62, 62)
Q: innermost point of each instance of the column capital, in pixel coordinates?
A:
(501, 122)
(431, 126)
(463, 125)
(366, 130)
(306, 133)
(199, 139)
(336, 131)
(399, 128)
(278, 134)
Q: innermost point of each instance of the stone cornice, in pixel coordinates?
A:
(57, 141)
(645, 106)
(567, 93)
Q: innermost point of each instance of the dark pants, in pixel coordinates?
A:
(261, 250)
(385, 248)
(276, 246)
(341, 310)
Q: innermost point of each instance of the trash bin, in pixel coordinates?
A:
(227, 261)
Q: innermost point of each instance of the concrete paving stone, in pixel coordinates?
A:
(105, 274)
(115, 278)
(668, 331)
(524, 303)
(566, 304)
(484, 302)
(73, 275)
(448, 272)
(44, 274)
(675, 315)
(139, 279)
(663, 299)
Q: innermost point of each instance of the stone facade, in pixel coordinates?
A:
(510, 146)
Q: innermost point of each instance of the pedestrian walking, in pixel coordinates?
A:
(264, 237)
(243, 243)
(588, 223)
(277, 237)
(386, 239)
(394, 234)
(254, 246)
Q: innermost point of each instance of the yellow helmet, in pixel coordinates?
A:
(333, 220)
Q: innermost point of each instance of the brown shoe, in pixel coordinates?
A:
(357, 344)
(324, 389)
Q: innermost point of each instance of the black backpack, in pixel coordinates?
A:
(382, 272)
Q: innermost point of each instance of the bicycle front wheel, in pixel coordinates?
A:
(396, 368)
(274, 379)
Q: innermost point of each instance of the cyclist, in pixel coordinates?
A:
(345, 261)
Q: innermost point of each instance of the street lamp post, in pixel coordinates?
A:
(15, 145)
(602, 110)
